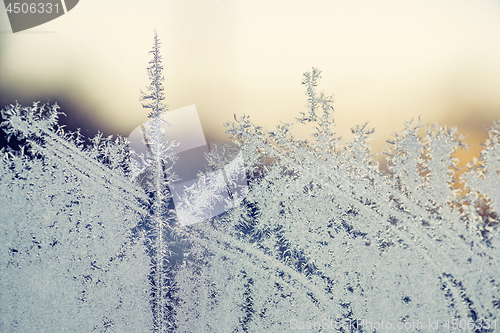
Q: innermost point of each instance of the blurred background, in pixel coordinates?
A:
(384, 61)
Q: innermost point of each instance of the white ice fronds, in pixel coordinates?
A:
(296, 234)
(201, 187)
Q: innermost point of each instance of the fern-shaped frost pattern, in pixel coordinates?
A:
(313, 236)
(69, 258)
(325, 237)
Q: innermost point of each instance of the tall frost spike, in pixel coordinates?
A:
(155, 96)
(155, 178)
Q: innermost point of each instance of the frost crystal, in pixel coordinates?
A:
(325, 241)
(202, 186)
(70, 258)
(311, 236)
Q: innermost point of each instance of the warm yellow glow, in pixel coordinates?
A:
(384, 61)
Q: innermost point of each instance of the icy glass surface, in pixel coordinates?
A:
(270, 234)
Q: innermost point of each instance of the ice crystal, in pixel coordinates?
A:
(270, 235)
(70, 260)
(326, 241)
